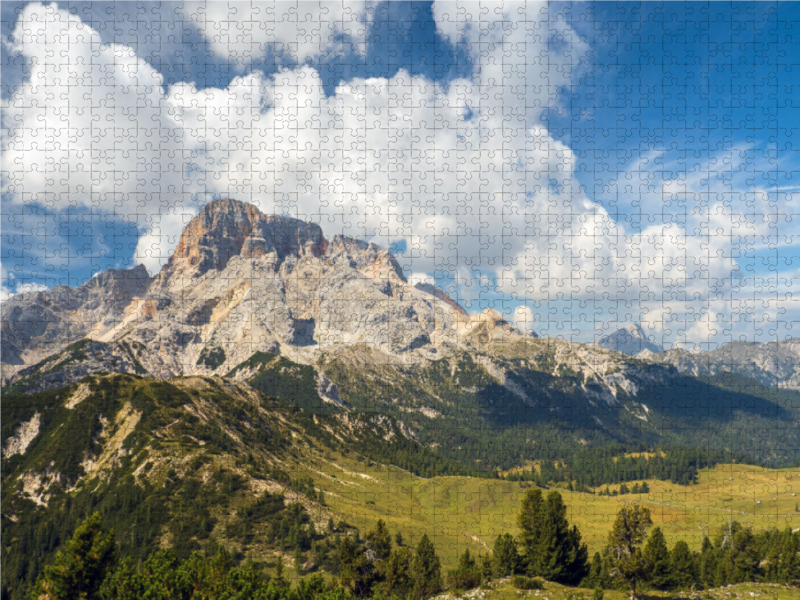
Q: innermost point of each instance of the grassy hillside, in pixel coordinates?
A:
(197, 462)
(468, 513)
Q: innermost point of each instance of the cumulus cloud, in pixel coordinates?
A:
(464, 173)
(524, 318)
(88, 128)
(244, 32)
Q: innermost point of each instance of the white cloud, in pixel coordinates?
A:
(9, 290)
(155, 246)
(88, 128)
(524, 318)
(243, 32)
(466, 173)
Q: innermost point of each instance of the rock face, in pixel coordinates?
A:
(629, 340)
(38, 324)
(238, 282)
(773, 364)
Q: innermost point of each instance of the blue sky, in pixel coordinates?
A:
(577, 166)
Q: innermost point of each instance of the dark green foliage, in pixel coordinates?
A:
(624, 545)
(379, 541)
(550, 548)
(80, 566)
(683, 566)
(357, 572)
(467, 575)
(279, 377)
(595, 466)
(598, 573)
(659, 568)
(530, 522)
(398, 578)
(506, 560)
(521, 582)
(598, 594)
(427, 569)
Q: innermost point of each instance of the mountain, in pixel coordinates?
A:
(629, 340)
(181, 463)
(241, 282)
(205, 404)
(334, 326)
(772, 364)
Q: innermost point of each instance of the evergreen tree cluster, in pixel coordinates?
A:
(636, 556)
(592, 467)
(735, 555)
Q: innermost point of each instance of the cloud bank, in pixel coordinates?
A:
(466, 173)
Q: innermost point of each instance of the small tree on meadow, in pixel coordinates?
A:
(506, 559)
(624, 544)
(427, 569)
(658, 564)
(683, 566)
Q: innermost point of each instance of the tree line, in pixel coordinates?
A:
(592, 467)
(547, 548)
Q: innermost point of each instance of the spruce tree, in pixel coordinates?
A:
(561, 557)
(658, 564)
(427, 569)
(529, 522)
(624, 544)
(683, 566)
(506, 558)
(708, 563)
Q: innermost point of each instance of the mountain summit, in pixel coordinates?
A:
(241, 282)
(227, 228)
(629, 340)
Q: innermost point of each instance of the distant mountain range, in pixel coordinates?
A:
(334, 325)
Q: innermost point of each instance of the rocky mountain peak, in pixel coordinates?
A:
(631, 339)
(227, 228)
(128, 281)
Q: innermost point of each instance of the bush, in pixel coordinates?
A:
(598, 593)
(527, 583)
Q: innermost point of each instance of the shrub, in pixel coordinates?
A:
(527, 583)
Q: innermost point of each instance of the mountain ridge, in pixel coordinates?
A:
(240, 282)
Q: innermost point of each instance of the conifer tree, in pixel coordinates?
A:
(380, 541)
(624, 544)
(683, 566)
(529, 522)
(659, 573)
(561, 557)
(427, 569)
(506, 558)
(397, 573)
(80, 566)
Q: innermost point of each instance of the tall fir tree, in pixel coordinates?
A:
(683, 565)
(529, 522)
(659, 572)
(624, 544)
(427, 569)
